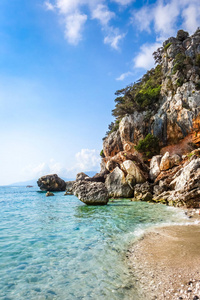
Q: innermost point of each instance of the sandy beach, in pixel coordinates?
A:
(166, 262)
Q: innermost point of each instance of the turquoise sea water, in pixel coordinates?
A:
(59, 248)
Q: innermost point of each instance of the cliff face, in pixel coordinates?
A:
(176, 119)
(164, 108)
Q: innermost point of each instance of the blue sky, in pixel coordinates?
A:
(60, 63)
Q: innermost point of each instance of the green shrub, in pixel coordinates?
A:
(179, 63)
(113, 126)
(102, 154)
(141, 95)
(167, 46)
(149, 146)
(197, 61)
(179, 82)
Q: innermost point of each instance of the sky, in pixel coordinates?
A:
(61, 62)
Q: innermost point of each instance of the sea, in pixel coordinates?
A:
(59, 248)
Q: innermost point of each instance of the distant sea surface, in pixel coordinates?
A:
(59, 248)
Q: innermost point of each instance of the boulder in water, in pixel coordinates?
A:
(90, 192)
(51, 183)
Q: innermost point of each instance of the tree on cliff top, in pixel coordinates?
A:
(139, 96)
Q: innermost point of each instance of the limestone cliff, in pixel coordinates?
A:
(176, 118)
(169, 110)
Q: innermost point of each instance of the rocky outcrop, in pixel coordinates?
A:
(169, 161)
(69, 188)
(143, 192)
(91, 193)
(176, 116)
(180, 185)
(118, 186)
(82, 176)
(51, 183)
(173, 117)
(155, 167)
(112, 144)
(131, 168)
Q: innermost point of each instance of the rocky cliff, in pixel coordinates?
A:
(175, 119)
(163, 105)
(152, 150)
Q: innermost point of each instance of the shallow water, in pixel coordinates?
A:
(59, 248)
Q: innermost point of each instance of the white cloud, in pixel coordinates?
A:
(124, 75)
(143, 18)
(145, 59)
(74, 14)
(68, 6)
(113, 39)
(191, 16)
(85, 160)
(164, 17)
(49, 6)
(73, 27)
(102, 13)
(88, 160)
(123, 2)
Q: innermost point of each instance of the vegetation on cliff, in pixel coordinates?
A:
(149, 146)
(140, 96)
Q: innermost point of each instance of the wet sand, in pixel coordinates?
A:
(166, 262)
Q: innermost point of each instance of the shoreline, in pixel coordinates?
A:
(165, 261)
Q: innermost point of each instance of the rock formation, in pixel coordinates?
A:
(51, 183)
(175, 118)
(172, 116)
(90, 192)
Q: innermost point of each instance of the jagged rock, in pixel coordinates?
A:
(81, 176)
(132, 169)
(117, 185)
(159, 189)
(186, 174)
(155, 167)
(130, 128)
(183, 184)
(176, 115)
(48, 194)
(130, 179)
(143, 192)
(169, 161)
(91, 193)
(69, 188)
(112, 144)
(111, 165)
(182, 35)
(51, 183)
(100, 177)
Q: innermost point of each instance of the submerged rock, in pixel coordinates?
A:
(48, 194)
(91, 193)
(51, 183)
